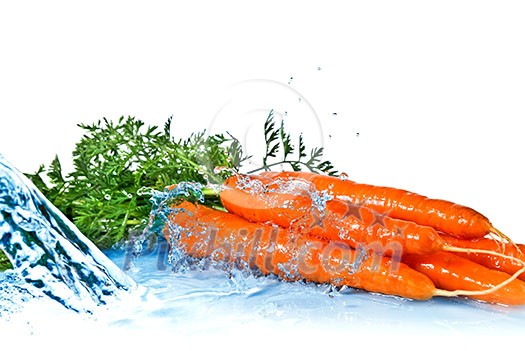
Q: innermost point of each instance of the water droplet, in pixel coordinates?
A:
(221, 169)
(107, 197)
(144, 191)
(177, 160)
(343, 176)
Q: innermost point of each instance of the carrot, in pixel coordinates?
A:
(337, 220)
(298, 212)
(445, 216)
(451, 272)
(204, 232)
(504, 264)
(272, 250)
(253, 198)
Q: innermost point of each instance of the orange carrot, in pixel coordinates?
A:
(204, 232)
(263, 204)
(451, 272)
(337, 220)
(224, 236)
(445, 216)
(504, 264)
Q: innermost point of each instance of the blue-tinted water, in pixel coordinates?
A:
(49, 254)
(192, 297)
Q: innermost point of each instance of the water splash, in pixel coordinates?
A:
(252, 185)
(292, 186)
(48, 253)
(159, 220)
(222, 251)
(13, 294)
(160, 226)
(344, 176)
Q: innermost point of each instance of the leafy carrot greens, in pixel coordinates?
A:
(115, 163)
(278, 139)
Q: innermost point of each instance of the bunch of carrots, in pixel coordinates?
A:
(326, 229)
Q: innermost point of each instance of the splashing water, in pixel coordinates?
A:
(50, 256)
(219, 252)
(159, 219)
(294, 186)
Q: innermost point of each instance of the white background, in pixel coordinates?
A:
(434, 89)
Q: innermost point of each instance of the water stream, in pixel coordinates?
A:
(49, 254)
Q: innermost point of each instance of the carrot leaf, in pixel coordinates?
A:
(281, 152)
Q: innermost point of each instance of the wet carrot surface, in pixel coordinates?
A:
(302, 226)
